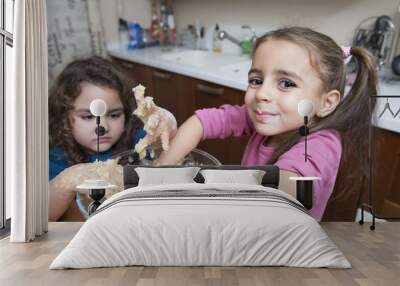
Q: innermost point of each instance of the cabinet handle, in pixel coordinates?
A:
(210, 90)
(128, 65)
(161, 75)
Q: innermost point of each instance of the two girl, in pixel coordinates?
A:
(289, 65)
(73, 141)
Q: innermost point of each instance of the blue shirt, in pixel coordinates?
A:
(58, 161)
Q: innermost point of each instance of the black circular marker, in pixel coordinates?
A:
(100, 130)
(303, 130)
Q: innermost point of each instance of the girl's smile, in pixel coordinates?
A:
(265, 116)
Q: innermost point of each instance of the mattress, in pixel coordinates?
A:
(201, 225)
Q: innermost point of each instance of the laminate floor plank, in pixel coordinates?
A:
(374, 255)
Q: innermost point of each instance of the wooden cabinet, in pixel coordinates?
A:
(182, 95)
(172, 92)
(386, 173)
(169, 90)
(135, 73)
(385, 187)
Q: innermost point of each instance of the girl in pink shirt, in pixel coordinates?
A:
(289, 65)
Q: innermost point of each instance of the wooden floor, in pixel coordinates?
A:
(374, 255)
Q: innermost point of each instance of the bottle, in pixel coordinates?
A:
(123, 33)
(217, 43)
(155, 23)
(165, 29)
(172, 29)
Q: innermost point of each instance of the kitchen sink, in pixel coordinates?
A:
(203, 59)
(238, 70)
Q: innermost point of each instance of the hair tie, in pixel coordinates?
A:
(346, 51)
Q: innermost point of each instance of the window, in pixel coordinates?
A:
(6, 44)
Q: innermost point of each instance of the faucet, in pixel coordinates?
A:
(254, 37)
(244, 45)
(224, 35)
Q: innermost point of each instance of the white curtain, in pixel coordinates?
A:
(27, 121)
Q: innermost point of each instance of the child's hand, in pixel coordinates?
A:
(159, 123)
(63, 186)
(153, 123)
(112, 173)
(75, 175)
(167, 127)
(184, 141)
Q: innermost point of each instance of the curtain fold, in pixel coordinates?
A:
(27, 129)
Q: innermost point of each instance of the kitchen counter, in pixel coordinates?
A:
(155, 57)
(231, 71)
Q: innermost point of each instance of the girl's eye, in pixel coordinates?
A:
(115, 115)
(286, 83)
(255, 81)
(87, 117)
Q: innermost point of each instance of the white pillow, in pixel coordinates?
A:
(249, 177)
(162, 176)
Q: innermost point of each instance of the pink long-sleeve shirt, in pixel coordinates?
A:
(324, 150)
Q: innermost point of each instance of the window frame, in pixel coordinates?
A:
(6, 39)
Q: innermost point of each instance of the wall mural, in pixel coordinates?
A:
(102, 117)
(74, 31)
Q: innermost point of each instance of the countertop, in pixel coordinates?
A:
(154, 57)
(234, 75)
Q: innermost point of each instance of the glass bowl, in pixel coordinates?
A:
(195, 157)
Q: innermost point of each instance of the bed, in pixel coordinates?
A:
(172, 221)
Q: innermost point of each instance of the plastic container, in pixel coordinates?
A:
(135, 35)
(217, 43)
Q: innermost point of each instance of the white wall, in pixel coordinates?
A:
(337, 18)
(132, 10)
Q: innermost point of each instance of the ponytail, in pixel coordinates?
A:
(353, 111)
(353, 117)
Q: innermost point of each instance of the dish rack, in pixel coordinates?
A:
(387, 109)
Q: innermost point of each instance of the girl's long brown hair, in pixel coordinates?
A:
(351, 117)
(97, 71)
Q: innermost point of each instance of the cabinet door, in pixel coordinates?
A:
(174, 93)
(386, 173)
(385, 188)
(208, 95)
(135, 73)
(169, 90)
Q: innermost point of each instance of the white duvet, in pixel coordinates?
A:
(182, 231)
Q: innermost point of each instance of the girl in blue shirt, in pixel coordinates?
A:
(73, 141)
